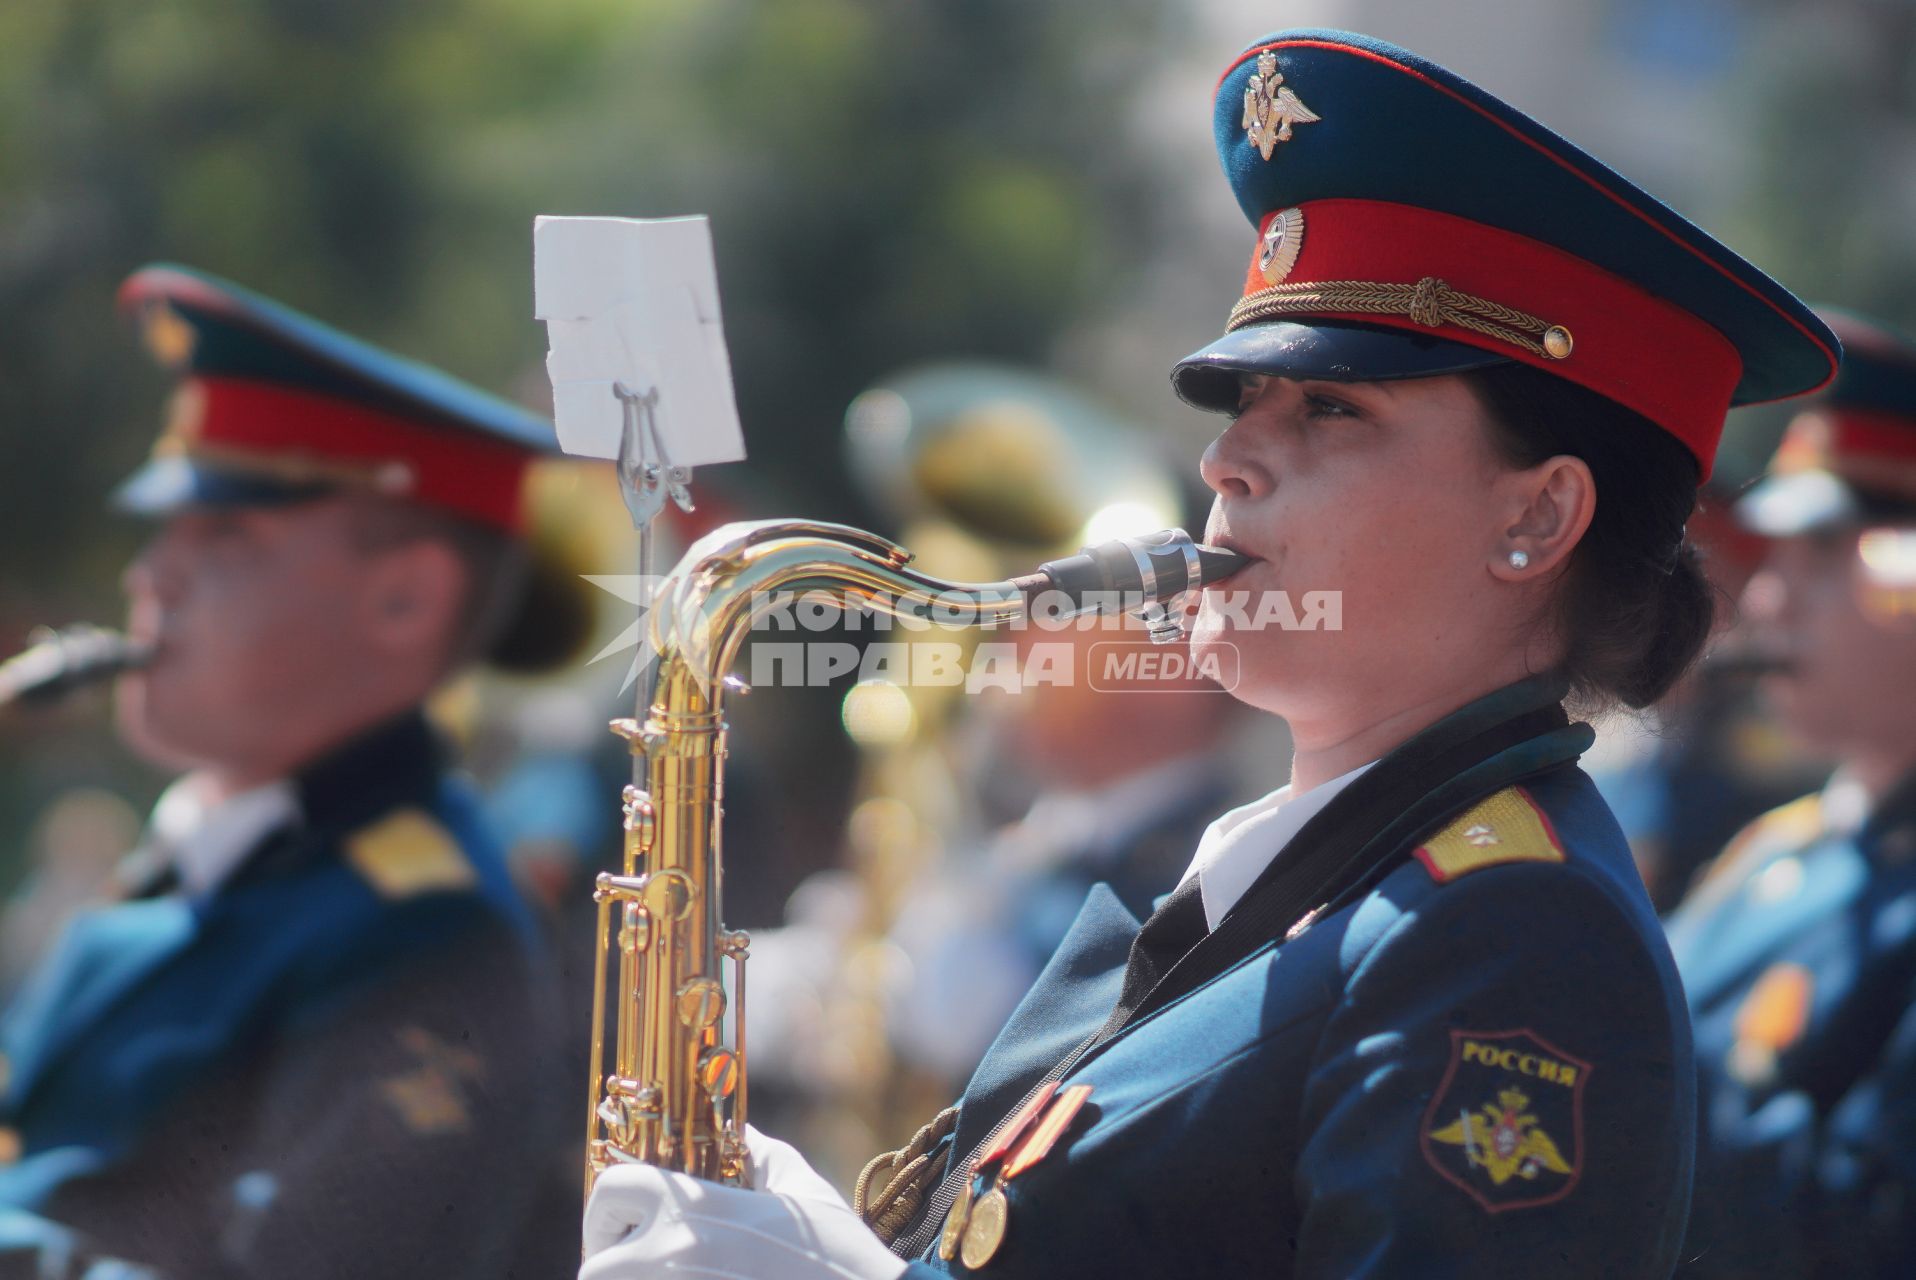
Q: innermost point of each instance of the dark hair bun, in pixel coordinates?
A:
(1635, 608)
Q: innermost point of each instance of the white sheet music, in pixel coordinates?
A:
(635, 300)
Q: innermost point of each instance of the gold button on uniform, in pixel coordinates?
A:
(10, 1144)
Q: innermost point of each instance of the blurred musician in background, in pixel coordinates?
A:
(1798, 946)
(979, 824)
(1129, 771)
(73, 853)
(1689, 774)
(319, 991)
(1098, 776)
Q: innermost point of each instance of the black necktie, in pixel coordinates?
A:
(1172, 930)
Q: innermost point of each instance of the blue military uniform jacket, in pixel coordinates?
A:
(1798, 951)
(277, 1080)
(1478, 1066)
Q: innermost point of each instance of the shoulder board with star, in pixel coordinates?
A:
(1507, 827)
(1784, 828)
(406, 853)
(1799, 820)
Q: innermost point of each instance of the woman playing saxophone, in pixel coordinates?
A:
(1411, 1013)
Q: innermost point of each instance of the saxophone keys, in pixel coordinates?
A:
(701, 1002)
(718, 1073)
(669, 895)
(641, 818)
(642, 737)
(621, 1123)
(733, 1157)
(635, 934)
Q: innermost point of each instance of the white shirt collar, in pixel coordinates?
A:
(1846, 803)
(1236, 848)
(206, 841)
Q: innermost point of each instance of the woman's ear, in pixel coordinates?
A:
(1550, 506)
(412, 596)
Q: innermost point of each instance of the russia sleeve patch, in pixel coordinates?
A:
(1507, 827)
(1506, 1125)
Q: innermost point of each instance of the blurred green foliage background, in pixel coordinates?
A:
(888, 182)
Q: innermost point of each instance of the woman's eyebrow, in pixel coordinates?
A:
(1386, 386)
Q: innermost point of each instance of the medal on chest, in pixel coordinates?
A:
(975, 1227)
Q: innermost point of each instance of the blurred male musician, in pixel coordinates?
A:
(1708, 758)
(1020, 801)
(319, 993)
(1080, 776)
(1798, 947)
(1130, 763)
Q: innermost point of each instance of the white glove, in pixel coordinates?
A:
(777, 1167)
(643, 1221)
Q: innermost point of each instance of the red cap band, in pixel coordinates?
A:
(1622, 341)
(1870, 449)
(301, 436)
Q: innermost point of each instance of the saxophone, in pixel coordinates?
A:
(59, 662)
(675, 1093)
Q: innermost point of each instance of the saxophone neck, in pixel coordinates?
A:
(739, 573)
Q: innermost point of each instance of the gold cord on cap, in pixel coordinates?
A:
(1429, 302)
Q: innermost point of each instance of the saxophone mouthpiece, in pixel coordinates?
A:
(1151, 569)
(59, 662)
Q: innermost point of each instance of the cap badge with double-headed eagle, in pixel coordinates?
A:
(1270, 108)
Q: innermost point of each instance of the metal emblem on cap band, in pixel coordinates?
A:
(168, 336)
(1283, 241)
(1270, 108)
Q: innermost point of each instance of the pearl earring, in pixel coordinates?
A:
(1520, 559)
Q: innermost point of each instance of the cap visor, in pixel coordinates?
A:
(1331, 351)
(1810, 501)
(166, 485)
(1800, 502)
